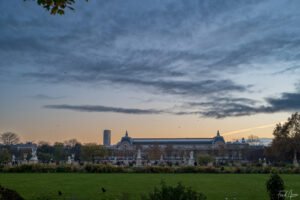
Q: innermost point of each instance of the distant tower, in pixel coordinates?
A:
(106, 137)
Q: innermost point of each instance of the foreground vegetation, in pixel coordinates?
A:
(35, 186)
(108, 168)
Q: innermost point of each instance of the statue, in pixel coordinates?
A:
(139, 158)
(13, 159)
(265, 163)
(33, 152)
(191, 161)
(184, 160)
(139, 154)
(34, 158)
(25, 161)
(161, 158)
(115, 160)
(69, 160)
(126, 162)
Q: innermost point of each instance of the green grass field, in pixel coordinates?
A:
(88, 186)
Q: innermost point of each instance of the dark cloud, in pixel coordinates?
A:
(253, 52)
(292, 69)
(190, 49)
(99, 108)
(287, 102)
(216, 108)
(46, 97)
(150, 39)
(138, 75)
(187, 88)
(222, 108)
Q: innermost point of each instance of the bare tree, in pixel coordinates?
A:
(71, 142)
(253, 140)
(9, 138)
(41, 143)
(154, 152)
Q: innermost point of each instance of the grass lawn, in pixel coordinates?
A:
(88, 186)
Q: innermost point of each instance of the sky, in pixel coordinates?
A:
(170, 68)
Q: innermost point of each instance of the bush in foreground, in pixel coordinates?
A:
(275, 186)
(178, 192)
(8, 194)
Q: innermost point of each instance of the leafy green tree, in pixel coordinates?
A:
(72, 146)
(76, 150)
(286, 142)
(59, 153)
(91, 151)
(5, 155)
(56, 6)
(275, 187)
(179, 192)
(45, 152)
(205, 159)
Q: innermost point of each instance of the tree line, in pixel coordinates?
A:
(284, 148)
(47, 153)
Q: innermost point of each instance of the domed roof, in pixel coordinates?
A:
(126, 138)
(218, 138)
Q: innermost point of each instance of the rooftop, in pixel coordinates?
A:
(172, 140)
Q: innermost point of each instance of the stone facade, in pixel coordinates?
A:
(178, 150)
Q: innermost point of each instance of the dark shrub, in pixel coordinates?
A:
(102, 168)
(267, 170)
(211, 170)
(196, 169)
(237, 170)
(296, 170)
(275, 187)
(154, 169)
(205, 159)
(8, 194)
(178, 192)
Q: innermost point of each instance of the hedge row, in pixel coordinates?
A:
(100, 168)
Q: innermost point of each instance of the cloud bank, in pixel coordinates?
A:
(99, 108)
(208, 52)
(218, 108)
(222, 108)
